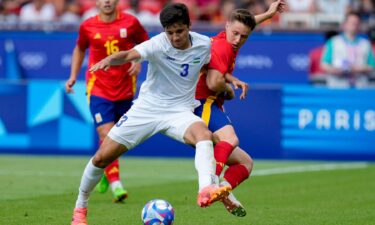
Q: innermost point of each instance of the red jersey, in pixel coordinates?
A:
(104, 39)
(223, 58)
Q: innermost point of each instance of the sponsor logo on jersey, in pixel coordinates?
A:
(170, 58)
(123, 33)
(97, 36)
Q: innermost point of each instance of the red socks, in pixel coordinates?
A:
(236, 174)
(112, 171)
(222, 151)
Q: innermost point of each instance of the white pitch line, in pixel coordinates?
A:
(256, 172)
(309, 168)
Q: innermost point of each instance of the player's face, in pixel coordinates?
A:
(178, 35)
(107, 7)
(237, 33)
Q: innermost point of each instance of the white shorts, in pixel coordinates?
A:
(143, 120)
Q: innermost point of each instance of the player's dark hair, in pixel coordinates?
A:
(174, 13)
(243, 16)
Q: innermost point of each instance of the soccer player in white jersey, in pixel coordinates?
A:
(165, 104)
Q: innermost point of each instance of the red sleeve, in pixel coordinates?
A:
(82, 40)
(221, 56)
(140, 32)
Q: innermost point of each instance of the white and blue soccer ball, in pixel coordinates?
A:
(157, 212)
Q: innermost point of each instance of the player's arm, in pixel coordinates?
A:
(134, 69)
(118, 58)
(276, 6)
(216, 81)
(77, 59)
(237, 83)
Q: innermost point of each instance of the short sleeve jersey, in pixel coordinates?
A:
(223, 58)
(172, 74)
(104, 39)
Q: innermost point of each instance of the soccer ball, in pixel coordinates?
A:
(157, 212)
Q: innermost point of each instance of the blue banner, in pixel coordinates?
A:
(265, 58)
(273, 122)
(321, 121)
(40, 118)
(280, 58)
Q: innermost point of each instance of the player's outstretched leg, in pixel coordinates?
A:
(108, 152)
(90, 178)
(205, 164)
(240, 167)
(209, 190)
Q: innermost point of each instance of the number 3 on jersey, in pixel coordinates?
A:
(121, 121)
(185, 70)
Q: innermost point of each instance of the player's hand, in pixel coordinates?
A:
(244, 86)
(69, 85)
(277, 6)
(229, 93)
(134, 69)
(104, 64)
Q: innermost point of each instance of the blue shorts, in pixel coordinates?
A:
(210, 112)
(105, 111)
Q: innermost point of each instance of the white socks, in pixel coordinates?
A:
(91, 176)
(205, 163)
(225, 183)
(116, 184)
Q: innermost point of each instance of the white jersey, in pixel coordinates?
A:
(172, 74)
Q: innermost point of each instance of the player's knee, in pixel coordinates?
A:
(205, 135)
(227, 134)
(249, 164)
(99, 161)
(231, 139)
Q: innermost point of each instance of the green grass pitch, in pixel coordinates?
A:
(41, 190)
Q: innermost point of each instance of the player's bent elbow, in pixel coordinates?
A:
(216, 83)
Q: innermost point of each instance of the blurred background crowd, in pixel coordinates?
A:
(327, 17)
(308, 14)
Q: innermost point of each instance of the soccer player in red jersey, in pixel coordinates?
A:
(214, 88)
(109, 93)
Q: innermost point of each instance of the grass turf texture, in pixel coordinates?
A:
(38, 190)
